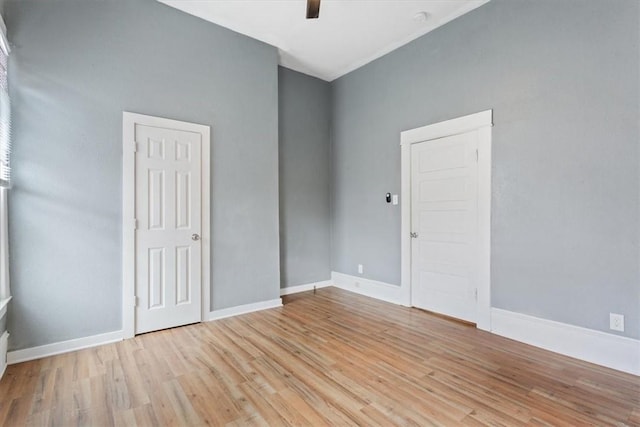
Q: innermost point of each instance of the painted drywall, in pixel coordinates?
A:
(304, 132)
(75, 66)
(563, 80)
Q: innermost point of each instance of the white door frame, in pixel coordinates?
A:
(481, 122)
(129, 120)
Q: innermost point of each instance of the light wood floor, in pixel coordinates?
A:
(330, 358)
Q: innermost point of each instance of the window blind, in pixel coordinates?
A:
(5, 176)
(5, 112)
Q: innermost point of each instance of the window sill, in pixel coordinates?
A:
(3, 306)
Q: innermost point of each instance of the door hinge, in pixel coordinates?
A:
(136, 146)
(136, 301)
(135, 224)
(476, 294)
(477, 155)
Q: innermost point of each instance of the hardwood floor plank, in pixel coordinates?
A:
(37, 419)
(121, 418)
(18, 411)
(272, 407)
(145, 416)
(310, 413)
(209, 407)
(181, 404)
(101, 411)
(323, 359)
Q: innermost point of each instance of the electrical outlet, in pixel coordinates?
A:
(360, 269)
(616, 322)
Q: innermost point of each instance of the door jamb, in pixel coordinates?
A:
(481, 122)
(129, 120)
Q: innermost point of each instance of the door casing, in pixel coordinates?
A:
(129, 121)
(481, 123)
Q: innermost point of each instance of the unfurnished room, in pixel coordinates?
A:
(319, 212)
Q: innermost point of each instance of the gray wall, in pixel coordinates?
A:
(563, 80)
(561, 76)
(75, 66)
(304, 124)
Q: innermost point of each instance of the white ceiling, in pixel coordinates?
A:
(348, 34)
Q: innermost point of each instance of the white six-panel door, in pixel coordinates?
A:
(168, 229)
(444, 225)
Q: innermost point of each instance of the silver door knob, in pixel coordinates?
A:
(195, 237)
(413, 235)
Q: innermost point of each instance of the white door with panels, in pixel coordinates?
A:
(168, 261)
(444, 225)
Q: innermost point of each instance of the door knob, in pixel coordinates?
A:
(195, 237)
(413, 235)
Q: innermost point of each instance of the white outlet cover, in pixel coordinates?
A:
(360, 269)
(395, 199)
(616, 322)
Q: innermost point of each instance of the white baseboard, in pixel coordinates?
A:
(371, 288)
(4, 341)
(612, 351)
(306, 287)
(243, 309)
(33, 353)
(601, 348)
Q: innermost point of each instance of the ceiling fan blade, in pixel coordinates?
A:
(313, 9)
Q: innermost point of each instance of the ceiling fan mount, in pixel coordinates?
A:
(313, 9)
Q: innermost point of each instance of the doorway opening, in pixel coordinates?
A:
(446, 217)
(165, 223)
